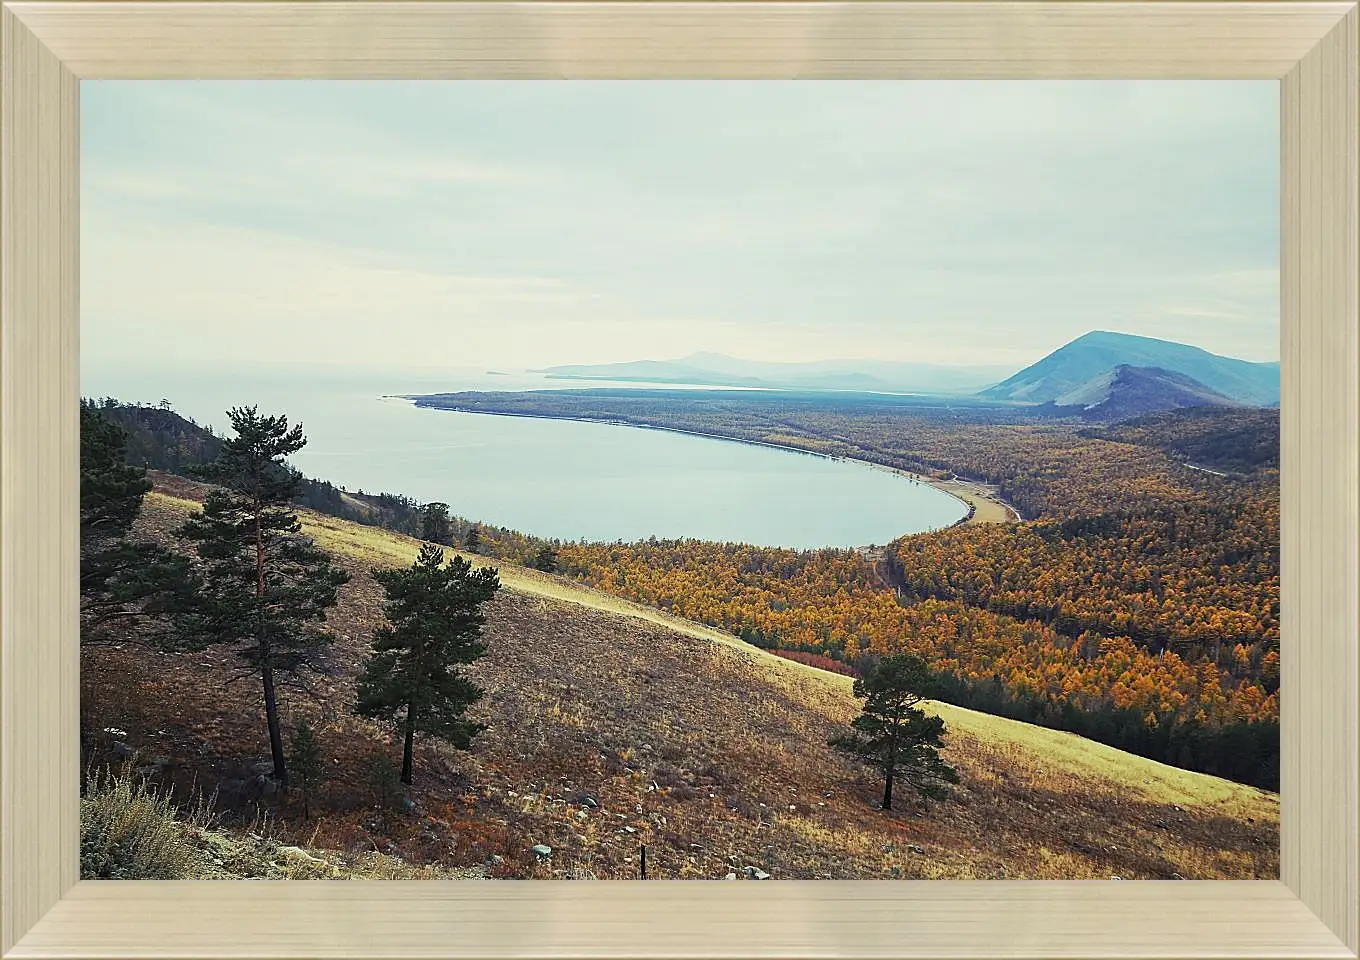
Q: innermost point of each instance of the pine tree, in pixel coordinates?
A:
(893, 735)
(121, 579)
(266, 587)
(435, 525)
(309, 764)
(473, 541)
(545, 559)
(435, 624)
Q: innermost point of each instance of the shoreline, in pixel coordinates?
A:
(983, 505)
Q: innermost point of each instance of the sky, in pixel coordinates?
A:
(529, 223)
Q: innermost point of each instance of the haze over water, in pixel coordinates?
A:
(552, 478)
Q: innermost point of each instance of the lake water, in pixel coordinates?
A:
(553, 478)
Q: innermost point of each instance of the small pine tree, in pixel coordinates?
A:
(545, 559)
(893, 735)
(473, 540)
(266, 587)
(435, 524)
(309, 764)
(435, 624)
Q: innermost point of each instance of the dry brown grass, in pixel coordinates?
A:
(710, 752)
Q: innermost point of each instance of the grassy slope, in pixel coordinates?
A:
(698, 745)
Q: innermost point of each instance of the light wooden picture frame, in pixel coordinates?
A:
(47, 48)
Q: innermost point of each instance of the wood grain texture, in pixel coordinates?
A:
(668, 39)
(39, 564)
(1320, 512)
(861, 919)
(1312, 913)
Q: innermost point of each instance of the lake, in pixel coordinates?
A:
(553, 478)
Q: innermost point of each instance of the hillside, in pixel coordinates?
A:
(1233, 441)
(1127, 391)
(1084, 359)
(613, 725)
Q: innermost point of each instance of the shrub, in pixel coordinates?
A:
(130, 832)
(384, 778)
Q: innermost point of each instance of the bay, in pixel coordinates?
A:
(560, 479)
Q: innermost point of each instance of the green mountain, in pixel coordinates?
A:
(1089, 357)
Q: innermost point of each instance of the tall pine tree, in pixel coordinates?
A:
(893, 735)
(435, 624)
(121, 579)
(266, 587)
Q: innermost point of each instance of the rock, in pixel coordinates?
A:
(589, 801)
(265, 786)
(115, 732)
(630, 829)
(730, 876)
(121, 751)
(542, 851)
(297, 853)
(582, 815)
(916, 848)
(734, 860)
(755, 873)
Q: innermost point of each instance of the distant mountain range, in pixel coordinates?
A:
(1103, 375)
(1071, 367)
(715, 369)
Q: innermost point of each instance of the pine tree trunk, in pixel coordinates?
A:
(410, 740)
(271, 706)
(887, 788)
(271, 712)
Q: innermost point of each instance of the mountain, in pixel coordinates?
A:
(716, 369)
(1128, 391)
(1070, 367)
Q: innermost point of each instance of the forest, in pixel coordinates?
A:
(1139, 605)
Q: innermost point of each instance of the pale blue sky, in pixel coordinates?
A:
(539, 222)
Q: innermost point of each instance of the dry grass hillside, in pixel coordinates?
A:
(613, 727)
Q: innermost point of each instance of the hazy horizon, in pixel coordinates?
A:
(433, 225)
